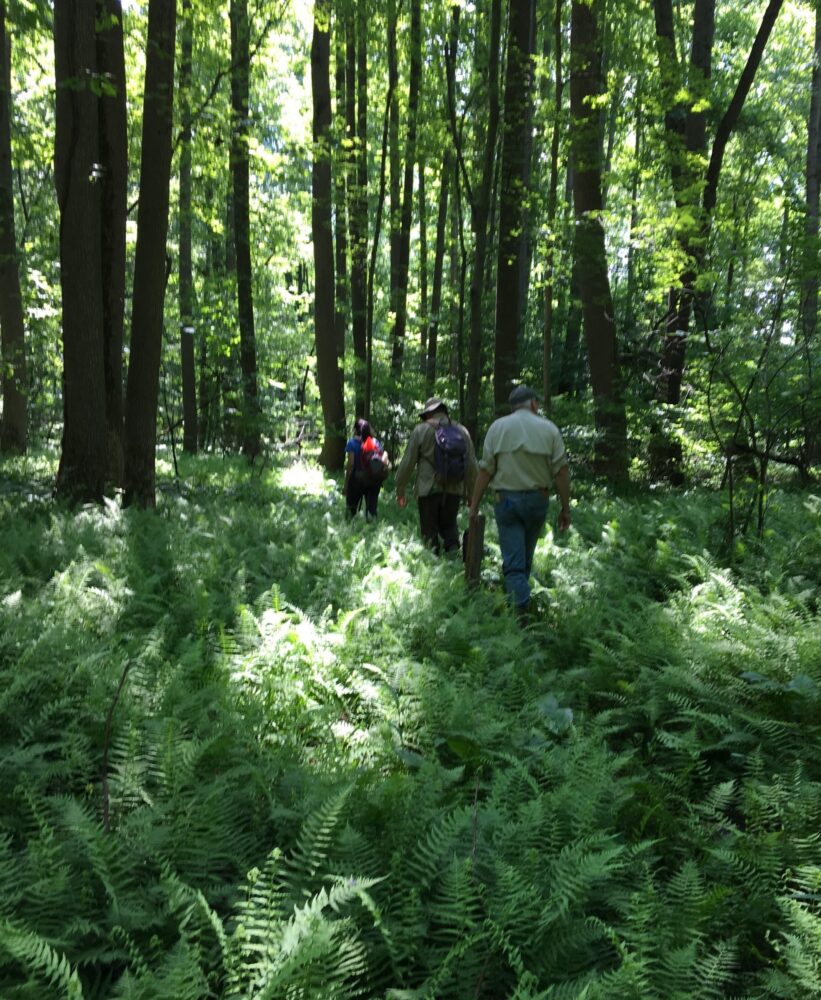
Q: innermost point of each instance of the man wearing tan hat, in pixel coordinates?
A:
(442, 482)
(523, 461)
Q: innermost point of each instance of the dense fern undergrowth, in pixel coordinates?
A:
(249, 750)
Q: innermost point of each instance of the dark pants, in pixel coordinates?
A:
(520, 517)
(437, 517)
(358, 490)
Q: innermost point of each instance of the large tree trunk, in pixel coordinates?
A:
(12, 331)
(329, 376)
(358, 125)
(403, 264)
(240, 73)
(515, 170)
(597, 305)
(114, 183)
(187, 325)
(150, 258)
(82, 472)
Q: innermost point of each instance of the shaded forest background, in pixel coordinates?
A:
(248, 749)
(220, 236)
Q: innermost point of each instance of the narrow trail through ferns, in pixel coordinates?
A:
(332, 772)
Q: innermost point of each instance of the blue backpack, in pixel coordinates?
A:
(450, 452)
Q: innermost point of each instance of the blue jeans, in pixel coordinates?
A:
(520, 517)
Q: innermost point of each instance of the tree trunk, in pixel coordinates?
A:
(597, 305)
(401, 319)
(187, 326)
(809, 290)
(423, 270)
(328, 374)
(359, 203)
(432, 345)
(479, 212)
(552, 200)
(513, 199)
(394, 164)
(114, 182)
(340, 172)
(150, 258)
(12, 329)
(810, 284)
(82, 472)
(240, 74)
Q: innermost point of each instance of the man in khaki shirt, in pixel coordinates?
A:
(523, 460)
(438, 501)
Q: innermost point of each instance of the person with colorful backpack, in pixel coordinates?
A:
(441, 453)
(366, 469)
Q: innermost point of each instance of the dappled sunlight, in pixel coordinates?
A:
(304, 477)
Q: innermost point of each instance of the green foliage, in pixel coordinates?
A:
(344, 776)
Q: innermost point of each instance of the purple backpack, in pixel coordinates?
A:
(450, 451)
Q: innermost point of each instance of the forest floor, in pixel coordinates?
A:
(248, 749)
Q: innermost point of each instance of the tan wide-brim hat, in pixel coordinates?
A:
(433, 405)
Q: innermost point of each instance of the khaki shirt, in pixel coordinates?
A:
(523, 451)
(419, 455)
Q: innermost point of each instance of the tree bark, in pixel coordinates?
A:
(82, 472)
(403, 264)
(12, 329)
(423, 269)
(394, 167)
(240, 80)
(597, 304)
(515, 170)
(150, 258)
(552, 200)
(329, 376)
(810, 284)
(479, 212)
(359, 203)
(114, 184)
(340, 173)
(432, 346)
(186, 291)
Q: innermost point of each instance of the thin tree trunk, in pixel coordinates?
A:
(341, 163)
(82, 472)
(240, 80)
(359, 205)
(12, 330)
(187, 325)
(114, 183)
(377, 230)
(438, 270)
(423, 270)
(394, 165)
(480, 210)
(401, 320)
(513, 199)
(329, 377)
(810, 284)
(150, 258)
(631, 311)
(597, 305)
(552, 200)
